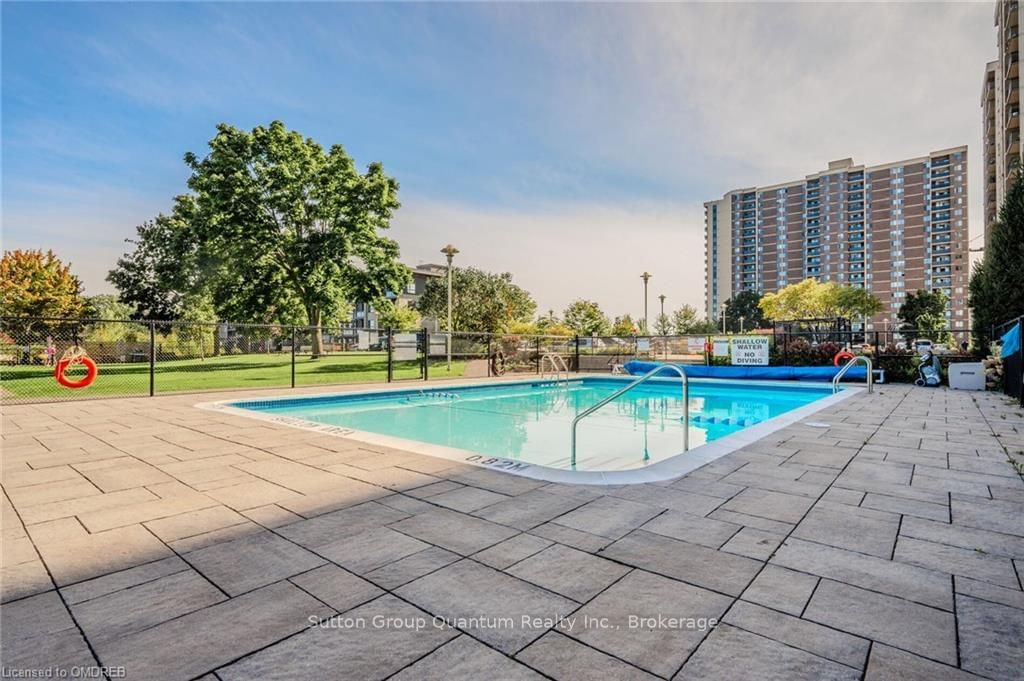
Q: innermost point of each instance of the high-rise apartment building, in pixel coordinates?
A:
(1000, 107)
(891, 229)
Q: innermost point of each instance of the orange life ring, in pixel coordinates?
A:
(90, 371)
(842, 356)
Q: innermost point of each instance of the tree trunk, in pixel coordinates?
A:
(317, 342)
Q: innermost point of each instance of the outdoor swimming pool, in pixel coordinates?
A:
(521, 426)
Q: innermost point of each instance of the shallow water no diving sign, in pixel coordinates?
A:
(750, 351)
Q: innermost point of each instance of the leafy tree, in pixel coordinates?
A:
(106, 306)
(558, 329)
(811, 299)
(850, 301)
(744, 304)
(274, 224)
(997, 284)
(391, 315)
(684, 320)
(481, 301)
(922, 309)
(586, 318)
(624, 326)
(37, 284)
(662, 324)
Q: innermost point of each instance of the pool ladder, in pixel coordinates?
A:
(558, 366)
(849, 365)
(618, 393)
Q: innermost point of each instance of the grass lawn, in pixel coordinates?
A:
(215, 373)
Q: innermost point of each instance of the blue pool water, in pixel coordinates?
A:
(530, 421)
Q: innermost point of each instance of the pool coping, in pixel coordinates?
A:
(671, 467)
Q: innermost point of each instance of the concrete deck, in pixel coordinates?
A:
(167, 542)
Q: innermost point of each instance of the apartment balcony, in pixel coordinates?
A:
(1013, 143)
(1012, 66)
(1012, 91)
(1013, 119)
(943, 161)
(940, 228)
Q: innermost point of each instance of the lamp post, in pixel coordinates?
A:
(741, 323)
(449, 252)
(723, 317)
(646, 276)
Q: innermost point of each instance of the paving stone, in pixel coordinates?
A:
(560, 657)
(889, 663)
(37, 634)
(868, 572)
(785, 508)
(670, 498)
(124, 579)
(781, 589)
(57, 491)
(332, 526)
(753, 543)
(529, 509)
(868, 475)
(990, 636)
(271, 516)
(994, 515)
(251, 494)
(338, 588)
(465, 658)
(510, 551)
(721, 490)
(995, 543)
(659, 647)
(608, 517)
(65, 509)
(849, 530)
(571, 573)
(194, 522)
(73, 555)
(989, 592)
(958, 561)
(412, 567)
(118, 474)
(745, 520)
(371, 549)
(252, 561)
(728, 649)
(139, 607)
(906, 625)
(394, 478)
(434, 488)
(470, 590)
(921, 509)
(456, 532)
(691, 563)
(24, 579)
(807, 636)
(467, 499)
(691, 528)
(225, 534)
(502, 483)
(206, 639)
(405, 504)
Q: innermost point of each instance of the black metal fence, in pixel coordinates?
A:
(1012, 363)
(161, 357)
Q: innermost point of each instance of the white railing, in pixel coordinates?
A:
(849, 365)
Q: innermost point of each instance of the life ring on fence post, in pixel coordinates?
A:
(75, 355)
(842, 356)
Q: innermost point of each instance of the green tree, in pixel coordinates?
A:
(585, 318)
(997, 284)
(274, 223)
(624, 326)
(744, 304)
(685, 320)
(106, 306)
(662, 324)
(481, 301)
(38, 284)
(922, 309)
(391, 315)
(549, 319)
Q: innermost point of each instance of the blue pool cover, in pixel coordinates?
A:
(779, 373)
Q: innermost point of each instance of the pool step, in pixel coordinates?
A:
(723, 421)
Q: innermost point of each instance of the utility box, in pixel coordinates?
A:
(967, 376)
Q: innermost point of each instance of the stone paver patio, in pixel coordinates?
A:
(167, 542)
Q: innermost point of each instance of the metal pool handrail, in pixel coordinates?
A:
(650, 374)
(849, 365)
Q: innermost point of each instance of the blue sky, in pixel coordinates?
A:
(570, 144)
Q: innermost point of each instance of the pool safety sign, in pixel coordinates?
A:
(721, 347)
(750, 351)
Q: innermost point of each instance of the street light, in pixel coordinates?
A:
(646, 276)
(723, 317)
(741, 323)
(449, 252)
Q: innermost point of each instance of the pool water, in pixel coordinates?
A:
(531, 421)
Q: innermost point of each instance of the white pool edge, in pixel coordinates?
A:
(666, 469)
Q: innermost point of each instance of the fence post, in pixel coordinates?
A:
(390, 343)
(577, 342)
(152, 358)
(293, 356)
(538, 354)
(426, 351)
(489, 355)
(785, 349)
